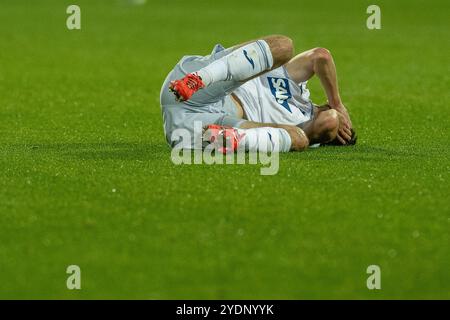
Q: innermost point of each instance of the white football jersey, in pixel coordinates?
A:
(275, 98)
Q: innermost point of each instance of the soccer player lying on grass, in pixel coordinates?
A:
(253, 90)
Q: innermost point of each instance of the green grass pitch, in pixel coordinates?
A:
(86, 176)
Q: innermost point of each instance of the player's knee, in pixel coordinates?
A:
(282, 48)
(299, 140)
(321, 54)
(287, 48)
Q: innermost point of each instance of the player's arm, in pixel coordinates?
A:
(319, 61)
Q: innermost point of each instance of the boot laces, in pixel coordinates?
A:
(193, 82)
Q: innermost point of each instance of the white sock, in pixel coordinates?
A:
(266, 139)
(240, 65)
(215, 71)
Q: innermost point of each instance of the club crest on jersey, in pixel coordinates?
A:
(280, 90)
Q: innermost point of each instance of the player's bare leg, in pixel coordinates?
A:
(319, 62)
(247, 61)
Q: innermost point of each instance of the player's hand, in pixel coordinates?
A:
(343, 110)
(345, 124)
(344, 133)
